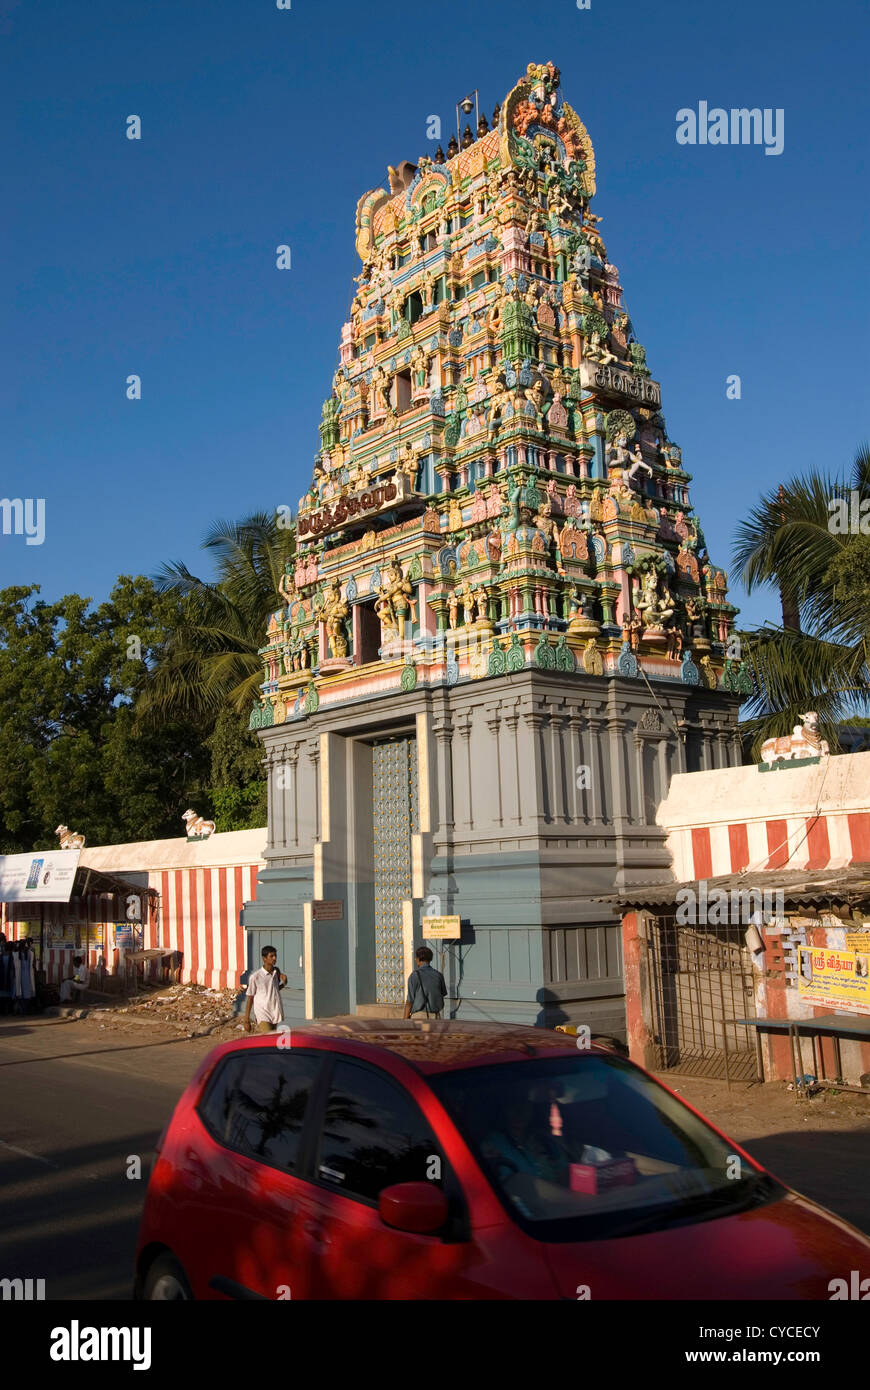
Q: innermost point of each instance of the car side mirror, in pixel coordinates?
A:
(414, 1206)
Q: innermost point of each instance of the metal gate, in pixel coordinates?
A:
(700, 982)
(394, 785)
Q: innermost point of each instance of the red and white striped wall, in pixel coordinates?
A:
(201, 887)
(199, 918)
(733, 819)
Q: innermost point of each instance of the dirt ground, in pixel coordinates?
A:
(819, 1146)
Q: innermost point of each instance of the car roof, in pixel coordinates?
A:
(427, 1046)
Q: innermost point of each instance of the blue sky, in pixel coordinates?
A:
(263, 126)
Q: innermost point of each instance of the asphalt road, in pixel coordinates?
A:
(74, 1104)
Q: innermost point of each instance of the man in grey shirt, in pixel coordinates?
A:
(426, 988)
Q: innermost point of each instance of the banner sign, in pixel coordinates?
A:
(46, 876)
(837, 979)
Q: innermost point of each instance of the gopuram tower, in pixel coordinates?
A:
(503, 632)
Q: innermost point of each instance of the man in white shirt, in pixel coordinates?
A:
(76, 983)
(264, 994)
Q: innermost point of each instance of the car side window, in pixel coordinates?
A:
(373, 1135)
(257, 1104)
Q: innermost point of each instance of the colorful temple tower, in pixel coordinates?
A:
(502, 632)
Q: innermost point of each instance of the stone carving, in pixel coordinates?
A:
(334, 612)
(804, 741)
(71, 839)
(197, 828)
(592, 659)
(394, 599)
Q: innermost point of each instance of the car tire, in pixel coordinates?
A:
(166, 1281)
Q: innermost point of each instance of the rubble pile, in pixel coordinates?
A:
(191, 1010)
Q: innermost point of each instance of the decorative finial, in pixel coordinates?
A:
(482, 126)
(496, 113)
(452, 147)
(439, 155)
(467, 137)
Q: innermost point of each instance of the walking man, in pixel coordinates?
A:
(264, 994)
(426, 988)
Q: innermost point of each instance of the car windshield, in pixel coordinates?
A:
(589, 1147)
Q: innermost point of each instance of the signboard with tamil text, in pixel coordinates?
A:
(837, 979)
(327, 910)
(441, 928)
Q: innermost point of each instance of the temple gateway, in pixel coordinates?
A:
(502, 633)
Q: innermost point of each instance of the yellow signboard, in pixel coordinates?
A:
(440, 928)
(837, 979)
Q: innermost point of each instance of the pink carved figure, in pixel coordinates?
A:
(571, 504)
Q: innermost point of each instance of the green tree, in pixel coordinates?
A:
(820, 657)
(209, 668)
(71, 748)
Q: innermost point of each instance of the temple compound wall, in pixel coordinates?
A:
(512, 806)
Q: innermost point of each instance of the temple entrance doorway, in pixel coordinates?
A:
(395, 818)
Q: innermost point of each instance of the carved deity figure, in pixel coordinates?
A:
(631, 630)
(464, 592)
(407, 466)
(287, 589)
(335, 611)
(480, 598)
(597, 351)
(379, 385)
(394, 599)
(537, 395)
(453, 610)
(656, 610)
(617, 453)
(639, 471)
(334, 615)
(419, 368)
(497, 402)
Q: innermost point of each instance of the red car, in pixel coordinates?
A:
(375, 1160)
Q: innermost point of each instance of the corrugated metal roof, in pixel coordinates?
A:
(796, 885)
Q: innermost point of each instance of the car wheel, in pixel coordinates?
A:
(167, 1281)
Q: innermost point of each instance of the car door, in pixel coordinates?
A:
(371, 1135)
(255, 1111)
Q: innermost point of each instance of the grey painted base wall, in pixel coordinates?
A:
(538, 794)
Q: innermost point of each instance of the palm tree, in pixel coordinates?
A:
(818, 658)
(210, 661)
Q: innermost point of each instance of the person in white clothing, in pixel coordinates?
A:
(264, 994)
(75, 985)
